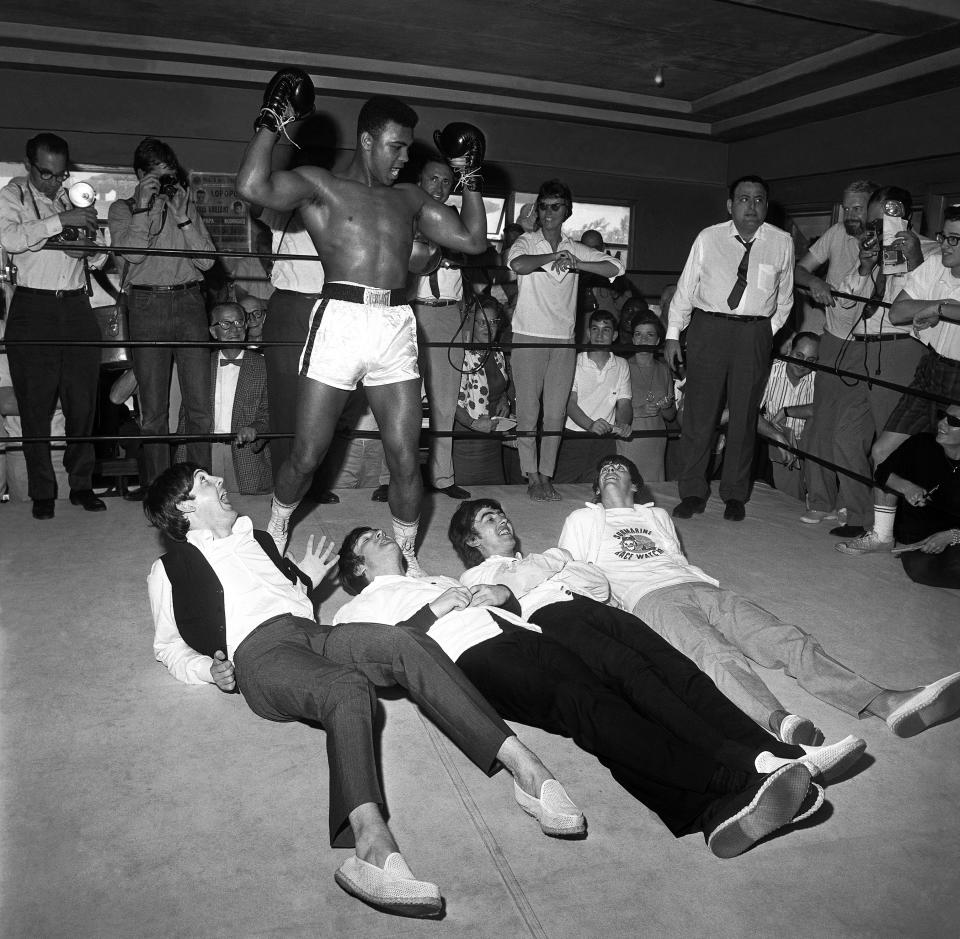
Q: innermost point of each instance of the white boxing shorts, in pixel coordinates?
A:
(367, 339)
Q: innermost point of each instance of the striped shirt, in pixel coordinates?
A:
(783, 393)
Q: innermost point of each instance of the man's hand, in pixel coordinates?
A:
(671, 355)
(600, 427)
(221, 671)
(147, 190)
(456, 598)
(916, 495)
(622, 430)
(908, 242)
(317, 563)
(245, 435)
(85, 218)
(820, 289)
(565, 261)
(930, 315)
(489, 595)
(179, 202)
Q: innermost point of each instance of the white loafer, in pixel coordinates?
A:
(554, 810)
(930, 705)
(392, 889)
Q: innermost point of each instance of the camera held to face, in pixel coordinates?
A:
(169, 184)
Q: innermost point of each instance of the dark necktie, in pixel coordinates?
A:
(736, 295)
(224, 361)
(434, 285)
(879, 289)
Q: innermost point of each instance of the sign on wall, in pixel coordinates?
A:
(223, 211)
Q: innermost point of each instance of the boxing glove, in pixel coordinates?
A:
(425, 256)
(466, 145)
(289, 97)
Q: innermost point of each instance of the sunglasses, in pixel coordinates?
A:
(46, 175)
(550, 206)
(951, 419)
(950, 240)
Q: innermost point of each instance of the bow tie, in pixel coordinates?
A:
(224, 361)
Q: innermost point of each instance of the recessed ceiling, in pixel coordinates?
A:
(731, 68)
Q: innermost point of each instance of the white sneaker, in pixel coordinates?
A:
(815, 516)
(864, 544)
(277, 529)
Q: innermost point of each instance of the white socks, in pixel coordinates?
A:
(279, 522)
(883, 518)
(405, 534)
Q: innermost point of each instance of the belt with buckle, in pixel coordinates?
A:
(369, 296)
(731, 316)
(171, 288)
(75, 292)
(882, 337)
(420, 301)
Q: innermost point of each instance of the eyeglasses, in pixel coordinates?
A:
(951, 419)
(230, 324)
(805, 358)
(254, 316)
(951, 240)
(46, 175)
(550, 206)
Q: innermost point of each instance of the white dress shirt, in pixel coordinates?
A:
(225, 393)
(711, 271)
(290, 237)
(932, 281)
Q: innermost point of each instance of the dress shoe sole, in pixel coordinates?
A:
(940, 704)
(776, 804)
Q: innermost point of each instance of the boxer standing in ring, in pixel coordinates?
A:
(362, 328)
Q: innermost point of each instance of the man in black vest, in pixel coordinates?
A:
(229, 610)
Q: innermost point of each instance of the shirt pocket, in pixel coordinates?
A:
(766, 276)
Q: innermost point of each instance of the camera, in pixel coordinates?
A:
(169, 184)
(70, 233)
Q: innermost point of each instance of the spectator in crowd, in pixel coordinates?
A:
(837, 248)
(486, 396)
(600, 402)
(723, 792)
(255, 313)
(547, 263)
(929, 301)
(437, 301)
(638, 550)
(51, 302)
(634, 307)
(924, 472)
(861, 337)
(738, 280)
(594, 291)
(250, 277)
(166, 301)
(654, 405)
(229, 610)
(240, 405)
(786, 407)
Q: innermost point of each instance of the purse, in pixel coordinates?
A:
(114, 324)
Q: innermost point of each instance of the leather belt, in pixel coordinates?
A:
(369, 296)
(76, 292)
(946, 358)
(441, 302)
(731, 316)
(883, 337)
(172, 288)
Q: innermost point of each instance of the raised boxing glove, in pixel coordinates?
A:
(288, 97)
(463, 146)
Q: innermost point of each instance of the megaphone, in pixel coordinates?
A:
(82, 195)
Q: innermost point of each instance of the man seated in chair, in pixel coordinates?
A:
(229, 610)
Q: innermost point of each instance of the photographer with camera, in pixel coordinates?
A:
(165, 297)
(51, 301)
(860, 337)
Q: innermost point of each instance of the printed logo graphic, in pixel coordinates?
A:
(636, 544)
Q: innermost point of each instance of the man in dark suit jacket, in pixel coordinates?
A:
(239, 405)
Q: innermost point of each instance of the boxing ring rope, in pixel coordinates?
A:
(503, 436)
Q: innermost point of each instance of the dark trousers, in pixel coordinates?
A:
(41, 374)
(288, 320)
(727, 361)
(658, 681)
(164, 317)
(934, 570)
(535, 680)
(577, 462)
(291, 669)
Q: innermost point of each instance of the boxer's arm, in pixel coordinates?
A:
(464, 231)
(282, 190)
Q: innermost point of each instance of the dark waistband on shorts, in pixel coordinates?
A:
(425, 301)
(76, 292)
(883, 337)
(166, 288)
(370, 296)
(731, 316)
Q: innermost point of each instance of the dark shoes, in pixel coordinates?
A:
(86, 498)
(328, 498)
(455, 492)
(43, 508)
(381, 493)
(734, 512)
(689, 506)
